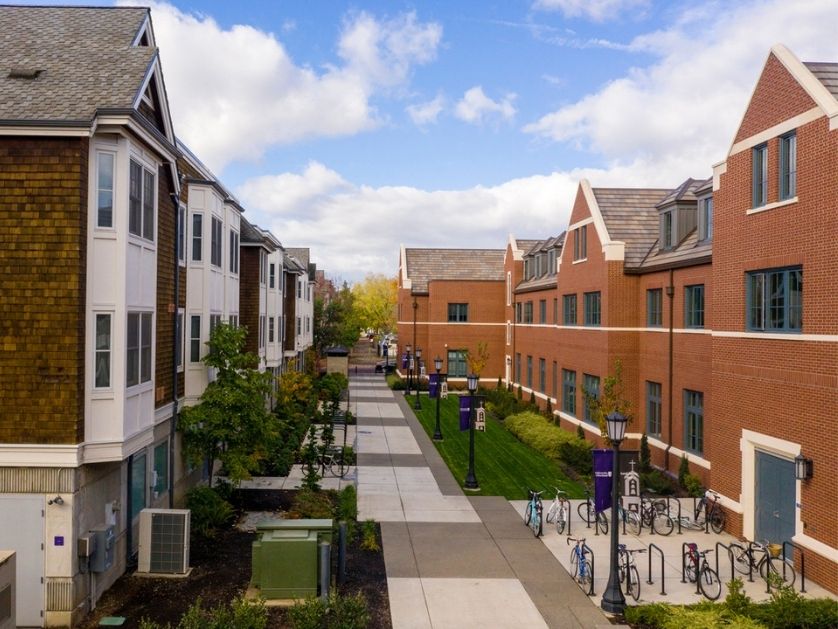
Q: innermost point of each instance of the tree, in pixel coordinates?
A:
(231, 423)
(477, 360)
(375, 302)
(336, 322)
(609, 400)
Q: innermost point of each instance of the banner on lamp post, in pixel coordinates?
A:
(465, 412)
(433, 385)
(603, 468)
(404, 361)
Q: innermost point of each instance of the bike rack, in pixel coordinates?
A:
(751, 562)
(730, 556)
(669, 509)
(685, 548)
(587, 548)
(654, 546)
(802, 564)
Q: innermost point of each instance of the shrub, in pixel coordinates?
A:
(240, 613)
(340, 612)
(395, 382)
(312, 504)
(549, 410)
(538, 433)
(692, 485)
(645, 455)
(311, 462)
(657, 482)
(577, 454)
(347, 508)
(369, 538)
(683, 469)
(210, 511)
(499, 385)
(520, 394)
(500, 403)
(580, 432)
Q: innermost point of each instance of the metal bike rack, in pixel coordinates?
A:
(685, 547)
(730, 556)
(751, 561)
(652, 547)
(669, 510)
(802, 564)
(593, 561)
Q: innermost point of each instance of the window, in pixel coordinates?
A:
(261, 331)
(280, 333)
(138, 348)
(580, 243)
(104, 189)
(775, 300)
(138, 485)
(179, 340)
(234, 252)
(569, 309)
(555, 311)
(508, 333)
(654, 307)
(518, 368)
(197, 237)
(299, 326)
(527, 268)
(181, 234)
(161, 468)
(195, 338)
(693, 421)
(591, 387)
(551, 262)
(529, 372)
(592, 308)
(215, 321)
(457, 363)
(653, 408)
(457, 313)
(272, 275)
(667, 240)
(271, 329)
(569, 392)
(555, 389)
(215, 242)
(760, 178)
(528, 312)
(141, 201)
(308, 325)
(233, 320)
(705, 219)
(542, 311)
(508, 289)
(102, 360)
(542, 375)
(519, 317)
(788, 166)
(299, 288)
(694, 306)
(263, 268)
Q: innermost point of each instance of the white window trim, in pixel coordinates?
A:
(191, 236)
(98, 151)
(182, 209)
(148, 384)
(182, 315)
(103, 392)
(771, 206)
(153, 167)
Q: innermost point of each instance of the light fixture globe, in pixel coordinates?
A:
(418, 353)
(438, 363)
(802, 467)
(616, 425)
(408, 347)
(472, 383)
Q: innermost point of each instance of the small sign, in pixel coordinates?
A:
(480, 420)
(59, 540)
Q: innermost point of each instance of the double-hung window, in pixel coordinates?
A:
(542, 311)
(542, 375)
(141, 201)
(519, 318)
(195, 338)
(197, 237)
(457, 313)
(667, 241)
(654, 307)
(181, 235)
(555, 311)
(788, 166)
(104, 189)
(102, 360)
(760, 175)
(457, 363)
(261, 331)
(215, 242)
(272, 275)
(775, 300)
(528, 312)
(705, 219)
(591, 384)
(555, 389)
(518, 368)
(179, 340)
(271, 329)
(569, 392)
(529, 372)
(694, 306)
(234, 252)
(569, 309)
(694, 421)
(580, 243)
(653, 408)
(138, 348)
(592, 308)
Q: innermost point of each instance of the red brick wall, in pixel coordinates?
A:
(43, 236)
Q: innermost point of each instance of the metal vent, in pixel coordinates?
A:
(167, 541)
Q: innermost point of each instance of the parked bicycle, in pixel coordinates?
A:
(628, 571)
(559, 511)
(653, 515)
(335, 460)
(761, 558)
(587, 511)
(704, 509)
(533, 512)
(582, 567)
(695, 565)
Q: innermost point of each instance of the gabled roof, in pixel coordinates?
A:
(690, 251)
(826, 73)
(301, 254)
(687, 191)
(631, 216)
(426, 265)
(84, 59)
(254, 236)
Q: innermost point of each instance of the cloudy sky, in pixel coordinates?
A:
(354, 127)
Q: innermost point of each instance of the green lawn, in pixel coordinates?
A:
(503, 465)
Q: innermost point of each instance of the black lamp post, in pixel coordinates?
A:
(471, 479)
(613, 600)
(417, 372)
(438, 367)
(407, 349)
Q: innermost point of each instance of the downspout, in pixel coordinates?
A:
(670, 292)
(173, 422)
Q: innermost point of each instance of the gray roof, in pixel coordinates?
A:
(826, 73)
(689, 251)
(255, 235)
(631, 216)
(301, 254)
(687, 191)
(524, 245)
(424, 265)
(84, 55)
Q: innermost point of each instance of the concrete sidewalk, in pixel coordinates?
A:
(452, 560)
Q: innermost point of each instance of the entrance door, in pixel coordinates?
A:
(775, 496)
(22, 530)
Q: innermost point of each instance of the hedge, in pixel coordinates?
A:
(537, 432)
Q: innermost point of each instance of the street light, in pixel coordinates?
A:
(613, 600)
(407, 349)
(416, 404)
(438, 367)
(471, 479)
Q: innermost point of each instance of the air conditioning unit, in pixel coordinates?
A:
(164, 541)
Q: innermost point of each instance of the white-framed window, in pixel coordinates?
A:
(233, 320)
(138, 348)
(299, 289)
(705, 219)
(308, 325)
(102, 358)
(195, 338)
(104, 189)
(263, 267)
(261, 331)
(271, 329)
(197, 237)
(181, 235)
(141, 201)
(179, 340)
(215, 321)
(299, 326)
(272, 276)
(215, 242)
(234, 252)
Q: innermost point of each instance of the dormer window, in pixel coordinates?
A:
(705, 219)
(667, 231)
(551, 262)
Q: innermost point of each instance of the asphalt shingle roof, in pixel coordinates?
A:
(424, 265)
(84, 56)
(826, 73)
(631, 216)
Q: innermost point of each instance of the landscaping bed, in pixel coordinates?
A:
(221, 568)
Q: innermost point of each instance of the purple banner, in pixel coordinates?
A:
(404, 361)
(433, 386)
(603, 465)
(465, 412)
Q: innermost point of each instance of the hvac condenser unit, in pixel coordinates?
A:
(164, 541)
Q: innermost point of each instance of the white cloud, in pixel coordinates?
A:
(681, 111)
(476, 108)
(428, 112)
(597, 10)
(235, 92)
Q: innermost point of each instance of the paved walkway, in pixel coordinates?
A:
(452, 560)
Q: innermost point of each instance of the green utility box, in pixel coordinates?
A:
(285, 562)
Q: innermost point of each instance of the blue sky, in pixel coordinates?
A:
(354, 127)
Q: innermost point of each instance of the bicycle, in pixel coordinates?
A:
(695, 565)
(583, 571)
(587, 512)
(628, 571)
(744, 561)
(559, 511)
(712, 511)
(335, 461)
(653, 515)
(533, 512)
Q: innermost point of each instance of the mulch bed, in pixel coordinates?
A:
(221, 571)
